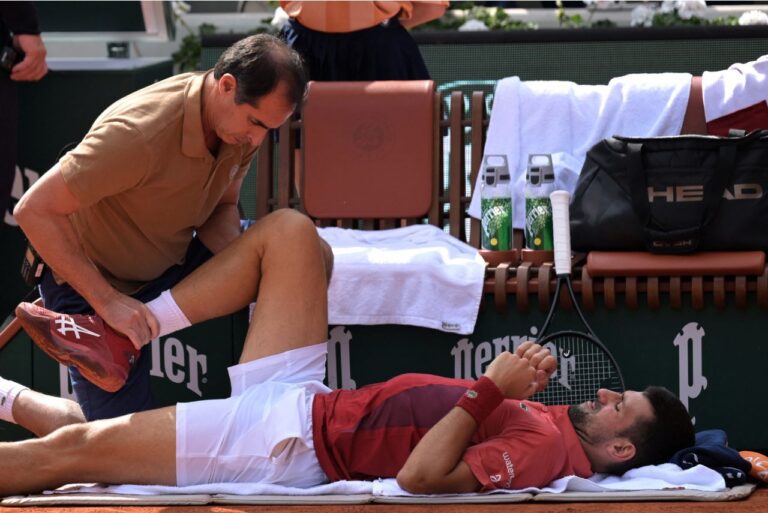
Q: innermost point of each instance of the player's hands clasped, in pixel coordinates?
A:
(540, 359)
(521, 374)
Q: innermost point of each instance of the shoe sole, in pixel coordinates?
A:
(92, 370)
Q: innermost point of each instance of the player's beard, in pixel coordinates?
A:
(579, 418)
(582, 423)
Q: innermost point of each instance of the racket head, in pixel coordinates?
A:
(584, 365)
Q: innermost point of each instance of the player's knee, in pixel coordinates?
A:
(290, 226)
(72, 439)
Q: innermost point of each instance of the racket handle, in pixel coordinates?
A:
(561, 231)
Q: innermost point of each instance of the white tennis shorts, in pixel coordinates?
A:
(263, 432)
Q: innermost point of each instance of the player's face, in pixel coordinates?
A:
(610, 414)
(247, 124)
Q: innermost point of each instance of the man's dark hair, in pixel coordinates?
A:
(658, 439)
(259, 63)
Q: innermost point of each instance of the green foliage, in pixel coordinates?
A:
(577, 20)
(569, 21)
(670, 19)
(498, 19)
(446, 22)
(187, 58)
(730, 21)
(602, 24)
(673, 19)
(460, 12)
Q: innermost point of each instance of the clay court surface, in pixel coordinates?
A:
(756, 503)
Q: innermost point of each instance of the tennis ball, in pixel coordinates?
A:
(759, 464)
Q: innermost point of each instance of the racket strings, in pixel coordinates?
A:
(583, 367)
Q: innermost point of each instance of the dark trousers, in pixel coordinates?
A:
(136, 395)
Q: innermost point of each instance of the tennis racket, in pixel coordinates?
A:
(584, 364)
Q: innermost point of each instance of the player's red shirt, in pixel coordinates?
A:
(369, 433)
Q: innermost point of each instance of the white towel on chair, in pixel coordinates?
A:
(566, 119)
(417, 275)
(736, 88)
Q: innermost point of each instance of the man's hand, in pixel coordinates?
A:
(540, 359)
(42, 212)
(33, 67)
(131, 318)
(521, 374)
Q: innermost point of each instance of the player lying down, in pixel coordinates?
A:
(281, 425)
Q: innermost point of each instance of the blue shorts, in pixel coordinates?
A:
(136, 395)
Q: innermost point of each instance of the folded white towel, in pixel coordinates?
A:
(566, 119)
(417, 275)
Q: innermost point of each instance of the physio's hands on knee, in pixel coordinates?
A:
(131, 318)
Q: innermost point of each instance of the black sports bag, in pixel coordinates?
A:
(673, 194)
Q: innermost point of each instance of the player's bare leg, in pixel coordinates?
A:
(42, 414)
(281, 263)
(139, 448)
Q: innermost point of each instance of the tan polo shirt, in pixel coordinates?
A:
(146, 180)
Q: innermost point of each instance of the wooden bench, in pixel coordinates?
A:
(459, 127)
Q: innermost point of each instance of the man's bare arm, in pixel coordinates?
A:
(42, 213)
(435, 465)
(223, 225)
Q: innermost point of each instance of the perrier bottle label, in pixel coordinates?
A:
(538, 224)
(496, 221)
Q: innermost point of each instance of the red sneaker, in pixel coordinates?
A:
(102, 355)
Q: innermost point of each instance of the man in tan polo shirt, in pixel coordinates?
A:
(150, 193)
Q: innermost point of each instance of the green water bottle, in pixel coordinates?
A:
(496, 205)
(540, 182)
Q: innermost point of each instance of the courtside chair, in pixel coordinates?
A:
(368, 152)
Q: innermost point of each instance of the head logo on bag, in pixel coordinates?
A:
(673, 195)
(683, 193)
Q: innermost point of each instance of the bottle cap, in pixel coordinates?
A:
(540, 169)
